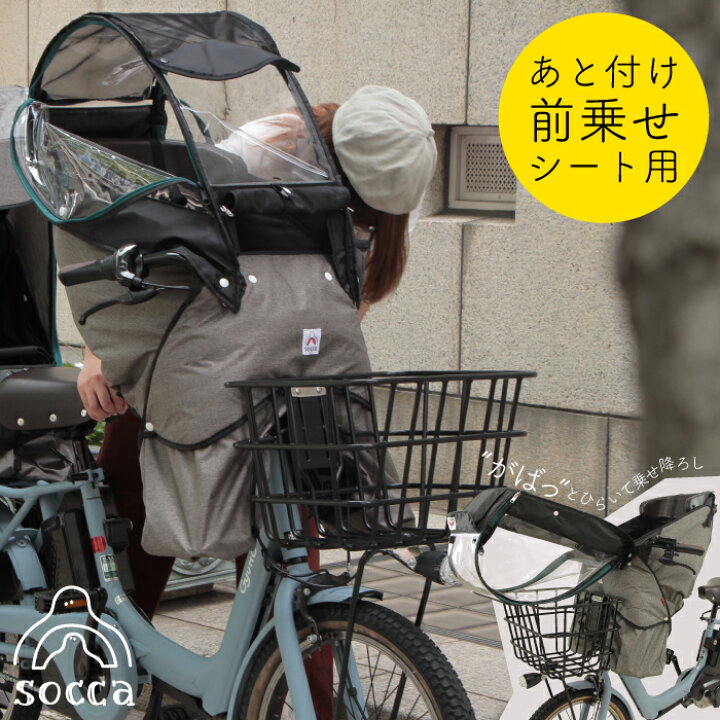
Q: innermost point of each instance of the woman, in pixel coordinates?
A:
(383, 144)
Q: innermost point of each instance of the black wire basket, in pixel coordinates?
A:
(375, 461)
(567, 638)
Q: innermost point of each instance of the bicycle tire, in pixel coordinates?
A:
(568, 706)
(431, 680)
(9, 709)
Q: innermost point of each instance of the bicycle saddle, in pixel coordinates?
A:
(41, 398)
(711, 591)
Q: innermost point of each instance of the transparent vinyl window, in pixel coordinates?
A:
(74, 178)
(95, 62)
(522, 568)
(248, 130)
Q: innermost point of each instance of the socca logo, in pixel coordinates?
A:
(51, 692)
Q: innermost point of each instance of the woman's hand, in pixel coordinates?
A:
(99, 399)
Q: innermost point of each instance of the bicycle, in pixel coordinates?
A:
(557, 655)
(105, 153)
(285, 619)
(584, 610)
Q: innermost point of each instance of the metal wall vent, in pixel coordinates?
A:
(480, 177)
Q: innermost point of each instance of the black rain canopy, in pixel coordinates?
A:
(186, 132)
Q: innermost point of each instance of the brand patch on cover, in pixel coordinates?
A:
(311, 341)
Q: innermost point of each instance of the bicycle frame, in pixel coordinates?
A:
(216, 680)
(652, 706)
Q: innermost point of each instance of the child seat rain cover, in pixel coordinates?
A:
(527, 549)
(191, 133)
(654, 583)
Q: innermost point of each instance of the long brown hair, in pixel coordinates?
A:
(386, 259)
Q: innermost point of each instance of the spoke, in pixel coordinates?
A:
(412, 709)
(359, 707)
(570, 709)
(359, 700)
(387, 692)
(372, 676)
(377, 679)
(286, 704)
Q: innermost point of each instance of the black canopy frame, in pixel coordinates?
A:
(205, 46)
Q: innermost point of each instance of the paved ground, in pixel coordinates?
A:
(452, 612)
(460, 623)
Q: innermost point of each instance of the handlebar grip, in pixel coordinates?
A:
(103, 269)
(433, 565)
(690, 549)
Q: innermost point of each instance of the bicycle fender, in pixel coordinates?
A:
(581, 685)
(341, 595)
(330, 595)
(587, 685)
(26, 564)
(23, 556)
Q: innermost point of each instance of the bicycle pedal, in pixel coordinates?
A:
(67, 601)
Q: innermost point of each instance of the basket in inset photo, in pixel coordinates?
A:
(564, 639)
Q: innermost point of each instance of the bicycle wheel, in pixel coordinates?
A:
(9, 677)
(403, 675)
(580, 705)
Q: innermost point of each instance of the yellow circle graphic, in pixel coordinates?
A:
(603, 117)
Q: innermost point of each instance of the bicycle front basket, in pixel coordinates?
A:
(376, 460)
(567, 638)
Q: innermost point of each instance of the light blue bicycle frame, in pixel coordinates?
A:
(650, 706)
(217, 680)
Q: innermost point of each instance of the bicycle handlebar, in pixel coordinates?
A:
(690, 549)
(126, 266)
(103, 269)
(672, 547)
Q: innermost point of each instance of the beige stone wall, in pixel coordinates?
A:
(536, 292)
(14, 42)
(418, 46)
(499, 30)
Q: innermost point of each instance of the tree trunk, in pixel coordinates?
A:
(669, 264)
